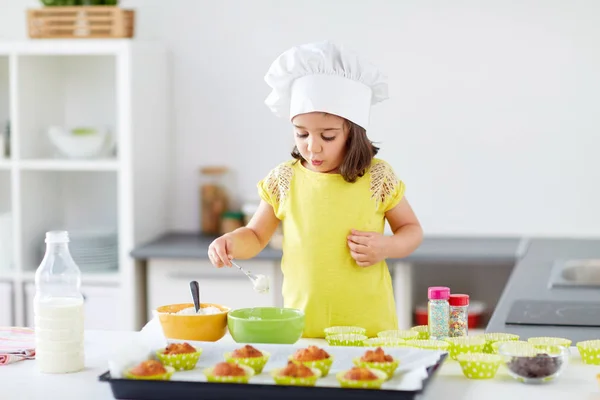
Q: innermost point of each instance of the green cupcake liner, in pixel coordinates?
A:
(394, 342)
(517, 349)
(429, 344)
(161, 377)
(374, 342)
(549, 341)
(346, 339)
(423, 331)
(496, 345)
(479, 365)
(493, 337)
(208, 372)
(256, 363)
(589, 351)
(181, 362)
(289, 381)
(374, 384)
(388, 367)
(399, 334)
(322, 365)
(337, 330)
(464, 345)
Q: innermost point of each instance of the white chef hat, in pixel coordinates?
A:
(324, 77)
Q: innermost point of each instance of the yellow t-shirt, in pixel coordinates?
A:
(320, 277)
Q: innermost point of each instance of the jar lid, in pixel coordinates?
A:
(57, 237)
(438, 293)
(213, 170)
(458, 300)
(233, 215)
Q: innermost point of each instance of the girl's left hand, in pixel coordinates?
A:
(367, 248)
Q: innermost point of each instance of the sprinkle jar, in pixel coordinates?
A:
(459, 315)
(438, 312)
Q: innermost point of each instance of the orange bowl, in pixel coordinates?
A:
(203, 328)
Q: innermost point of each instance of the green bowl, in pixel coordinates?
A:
(266, 325)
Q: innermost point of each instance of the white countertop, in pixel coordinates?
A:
(22, 381)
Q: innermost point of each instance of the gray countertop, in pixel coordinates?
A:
(530, 281)
(534, 261)
(434, 249)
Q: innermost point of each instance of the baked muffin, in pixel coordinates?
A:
(311, 353)
(377, 359)
(228, 372)
(313, 357)
(376, 356)
(246, 352)
(181, 356)
(360, 374)
(296, 375)
(249, 356)
(362, 378)
(179, 348)
(150, 370)
(228, 369)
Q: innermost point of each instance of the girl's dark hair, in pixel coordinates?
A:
(359, 153)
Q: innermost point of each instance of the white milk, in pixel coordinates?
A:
(59, 335)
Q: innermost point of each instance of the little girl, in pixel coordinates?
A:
(333, 197)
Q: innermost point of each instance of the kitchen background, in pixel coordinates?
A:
(492, 124)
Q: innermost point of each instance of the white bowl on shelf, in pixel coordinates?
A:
(80, 143)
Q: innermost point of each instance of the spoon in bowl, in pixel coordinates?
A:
(195, 289)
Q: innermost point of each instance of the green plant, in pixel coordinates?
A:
(50, 3)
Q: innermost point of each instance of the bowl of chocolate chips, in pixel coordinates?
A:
(529, 363)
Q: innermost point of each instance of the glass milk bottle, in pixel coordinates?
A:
(58, 309)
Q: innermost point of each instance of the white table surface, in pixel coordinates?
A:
(21, 380)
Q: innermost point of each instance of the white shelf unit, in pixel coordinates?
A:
(118, 84)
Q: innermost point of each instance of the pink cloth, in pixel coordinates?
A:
(9, 358)
(16, 344)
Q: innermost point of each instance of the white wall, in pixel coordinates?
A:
(493, 121)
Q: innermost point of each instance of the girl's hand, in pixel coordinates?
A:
(220, 251)
(367, 248)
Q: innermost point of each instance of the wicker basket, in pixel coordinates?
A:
(91, 22)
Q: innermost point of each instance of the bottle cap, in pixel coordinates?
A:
(57, 237)
(458, 300)
(438, 293)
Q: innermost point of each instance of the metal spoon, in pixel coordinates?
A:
(195, 289)
(258, 281)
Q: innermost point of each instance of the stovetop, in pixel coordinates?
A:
(557, 313)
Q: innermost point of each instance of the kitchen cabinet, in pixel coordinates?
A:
(100, 305)
(6, 304)
(168, 283)
(70, 83)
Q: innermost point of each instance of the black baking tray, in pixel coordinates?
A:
(188, 390)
